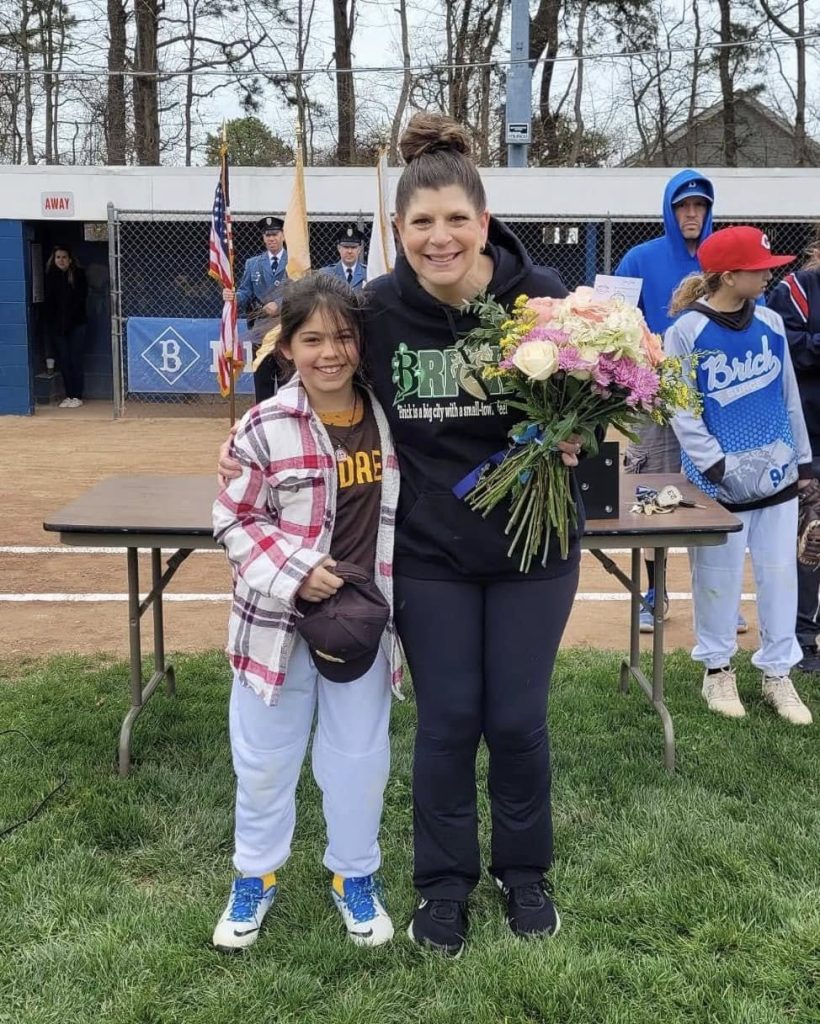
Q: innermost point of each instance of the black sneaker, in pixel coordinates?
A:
(810, 662)
(440, 925)
(530, 910)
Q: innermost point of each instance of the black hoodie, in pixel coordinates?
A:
(443, 422)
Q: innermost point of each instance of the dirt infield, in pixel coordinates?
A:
(51, 458)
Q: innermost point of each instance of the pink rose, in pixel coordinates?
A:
(583, 302)
(651, 344)
(545, 308)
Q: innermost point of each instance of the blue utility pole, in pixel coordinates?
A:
(518, 129)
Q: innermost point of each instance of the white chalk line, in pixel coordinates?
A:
(22, 549)
(216, 598)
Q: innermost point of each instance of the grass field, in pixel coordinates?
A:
(693, 898)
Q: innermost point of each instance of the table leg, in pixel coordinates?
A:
(658, 662)
(159, 625)
(634, 621)
(135, 652)
(139, 693)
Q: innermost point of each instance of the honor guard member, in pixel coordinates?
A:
(259, 295)
(349, 268)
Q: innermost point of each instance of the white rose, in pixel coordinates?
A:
(537, 360)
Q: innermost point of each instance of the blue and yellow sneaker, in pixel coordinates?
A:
(646, 619)
(250, 899)
(359, 901)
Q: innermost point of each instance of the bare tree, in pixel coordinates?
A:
(579, 87)
(115, 98)
(146, 81)
(798, 92)
(209, 40)
(344, 23)
(660, 85)
(406, 84)
(736, 58)
(727, 90)
(691, 142)
(11, 98)
(544, 42)
(25, 41)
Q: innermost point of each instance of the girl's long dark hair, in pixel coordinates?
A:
(343, 306)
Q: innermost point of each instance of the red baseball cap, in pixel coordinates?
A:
(740, 248)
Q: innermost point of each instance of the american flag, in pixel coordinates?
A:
(220, 267)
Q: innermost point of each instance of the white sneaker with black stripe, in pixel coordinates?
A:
(359, 901)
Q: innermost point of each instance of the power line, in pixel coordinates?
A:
(399, 69)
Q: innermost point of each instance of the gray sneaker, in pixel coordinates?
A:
(720, 693)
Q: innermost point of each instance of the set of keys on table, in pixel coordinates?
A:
(650, 502)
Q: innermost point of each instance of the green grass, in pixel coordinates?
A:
(690, 898)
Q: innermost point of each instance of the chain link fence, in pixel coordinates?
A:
(165, 309)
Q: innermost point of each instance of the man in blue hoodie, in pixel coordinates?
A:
(662, 263)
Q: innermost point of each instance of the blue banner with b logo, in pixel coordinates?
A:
(178, 356)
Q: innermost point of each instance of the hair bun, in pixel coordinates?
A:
(431, 133)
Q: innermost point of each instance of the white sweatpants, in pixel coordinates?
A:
(351, 761)
(717, 581)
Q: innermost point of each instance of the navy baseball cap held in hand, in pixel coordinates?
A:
(344, 632)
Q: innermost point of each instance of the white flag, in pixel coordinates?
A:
(381, 255)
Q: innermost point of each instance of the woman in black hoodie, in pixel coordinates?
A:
(66, 292)
(480, 638)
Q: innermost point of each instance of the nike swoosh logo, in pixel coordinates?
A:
(248, 931)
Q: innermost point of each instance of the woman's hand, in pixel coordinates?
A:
(320, 584)
(227, 468)
(570, 450)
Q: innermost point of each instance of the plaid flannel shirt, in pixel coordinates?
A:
(276, 522)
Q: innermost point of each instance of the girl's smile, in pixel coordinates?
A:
(325, 354)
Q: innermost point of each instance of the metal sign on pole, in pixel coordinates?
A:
(518, 134)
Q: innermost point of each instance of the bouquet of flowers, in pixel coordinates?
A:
(574, 367)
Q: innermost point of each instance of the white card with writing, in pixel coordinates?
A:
(608, 286)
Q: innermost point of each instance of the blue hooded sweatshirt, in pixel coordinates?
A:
(664, 262)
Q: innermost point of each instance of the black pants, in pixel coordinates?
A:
(70, 351)
(808, 584)
(264, 380)
(269, 376)
(481, 657)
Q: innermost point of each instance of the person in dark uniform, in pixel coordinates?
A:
(797, 299)
(66, 294)
(258, 297)
(349, 266)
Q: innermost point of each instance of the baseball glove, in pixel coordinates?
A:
(808, 525)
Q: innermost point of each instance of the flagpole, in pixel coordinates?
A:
(231, 374)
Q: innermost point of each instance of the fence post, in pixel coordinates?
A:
(608, 245)
(591, 259)
(116, 319)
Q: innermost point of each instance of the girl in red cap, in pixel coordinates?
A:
(750, 451)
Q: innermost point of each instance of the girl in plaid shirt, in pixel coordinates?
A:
(318, 483)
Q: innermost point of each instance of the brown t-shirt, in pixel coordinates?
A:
(358, 501)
